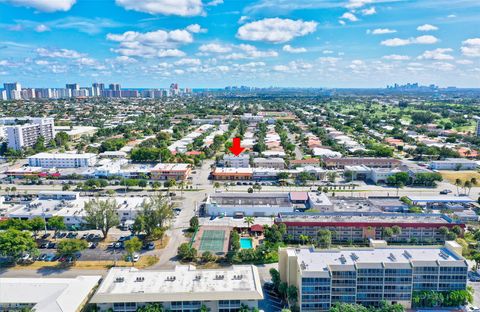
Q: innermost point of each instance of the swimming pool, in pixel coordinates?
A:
(246, 243)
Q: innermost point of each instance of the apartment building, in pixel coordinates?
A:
(240, 161)
(453, 164)
(24, 132)
(177, 172)
(184, 288)
(370, 275)
(62, 160)
(372, 162)
(362, 226)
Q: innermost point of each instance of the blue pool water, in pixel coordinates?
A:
(246, 243)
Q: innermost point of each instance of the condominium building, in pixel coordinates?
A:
(362, 226)
(240, 161)
(24, 132)
(370, 275)
(62, 160)
(183, 288)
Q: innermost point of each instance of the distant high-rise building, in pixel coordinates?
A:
(477, 128)
(174, 90)
(115, 87)
(97, 89)
(13, 90)
(72, 86)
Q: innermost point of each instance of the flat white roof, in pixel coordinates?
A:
(440, 199)
(183, 283)
(63, 155)
(171, 167)
(320, 260)
(48, 294)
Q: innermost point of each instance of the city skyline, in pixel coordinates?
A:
(262, 43)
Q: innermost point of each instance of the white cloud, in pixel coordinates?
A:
(164, 7)
(125, 59)
(444, 66)
(293, 66)
(381, 31)
(243, 19)
(397, 42)
(86, 61)
(159, 43)
(41, 28)
(396, 57)
(40, 62)
(275, 30)
(437, 54)
(215, 2)
(427, 27)
(356, 4)
(349, 16)
(195, 28)
(471, 47)
(426, 40)
(59, 53)
(188, 62)
(327, 52)
(329, 60)
(215, 48)
(288, 48)
(369, 11)
(464, 62)
(170, 53)
(281, 68)
(43, 5)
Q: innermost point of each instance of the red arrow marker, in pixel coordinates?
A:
(236, 149)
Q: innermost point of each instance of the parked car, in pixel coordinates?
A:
(46, 235)
(25, 257)
(94, 245)
(43, 257)
(151, 246)
(51, 245)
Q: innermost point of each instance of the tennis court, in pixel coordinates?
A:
(213, 239)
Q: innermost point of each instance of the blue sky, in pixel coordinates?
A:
(214, 43)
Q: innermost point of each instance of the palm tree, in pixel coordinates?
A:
(467, 185)
(249, 221)
(458, 183)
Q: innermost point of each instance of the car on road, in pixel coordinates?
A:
(72, 235)
(474, 276)
(50, 257)
(445, 192)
